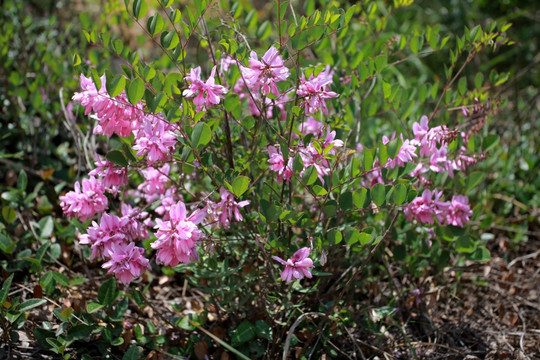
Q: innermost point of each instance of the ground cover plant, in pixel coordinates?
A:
(236, 181)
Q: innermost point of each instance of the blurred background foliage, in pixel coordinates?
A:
(40, 156)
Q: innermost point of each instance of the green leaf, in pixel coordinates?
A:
(364, 238)
(263, 329)
(118, 158)
(107, 292)
(135, 91)
(298, 163)
(387, 89)
(481, 254)
(351, 236)
(139, 8)
(462, 85)
(60, 278)
(116, 85)
(383, 153)
(346, 201)
(378, 194)
(9, 214)
(22, 181)
(132, 353)
(330, 208)
(30, 304)
(380, 63)
(93, 306)
(359, 198)
(474, 179)
(334, 237)
(464, 244)
(201, 135)
(400, 194)
(233, 105)
(243, 333)
(5, 289)
(79, 332)
(368, 159)
(310, 175)
(319, 190)
(42, 335)
(46, 227)
(490, 141)
(240, 185)
(169, 39)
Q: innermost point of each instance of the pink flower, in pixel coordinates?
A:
(207, 94)
(406, 153)
(101, 237)
(297, 266)
(155, 182)
(156, 138)
(257, 102)
(311, 126)
(168, 199)
(277, 164)
(127, 262)
(177, 238)
(84, 203)
(113, 176)
(135, 223)
(459, 211)
(426, 207)
(315, 90)
(262, 75)
(229, 208)
(115, 115)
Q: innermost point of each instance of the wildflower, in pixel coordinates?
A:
(177, 237)
(311, 126)
(86, 202)
(256, 102)
(101, 237)
(459, 211)
(229, 208)
(426, 207)
(168, 199)
(155, 182)
(126, 262)
(315, 90)
(135, 223)
(155, 138)
(262, 75)
(207, 93)
(297, 266)
(406, 153)
(115, 115)
(277, 164)
(113, 176)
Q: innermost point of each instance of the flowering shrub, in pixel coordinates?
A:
(276, 154)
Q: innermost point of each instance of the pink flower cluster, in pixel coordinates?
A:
(85, 202)
(115, 115)
(433, 143)
(113, 239)
(428, 207)
(296, 267)
(177, 237)
(315, 90)
(205, 93)
(228, 209)
(262, 75)
(316, 154)
(112, 176)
